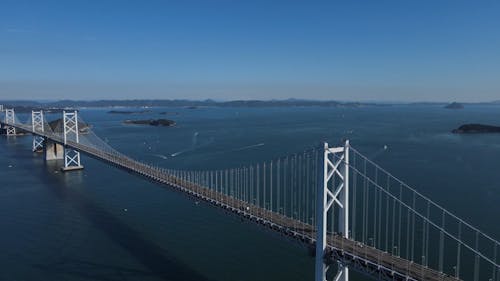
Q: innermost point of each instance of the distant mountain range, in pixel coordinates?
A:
(23, 105)
(179, 103)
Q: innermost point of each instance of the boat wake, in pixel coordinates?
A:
(248, 147)
(379, 152)
(195, 145)
(181, 152)
(164, 157)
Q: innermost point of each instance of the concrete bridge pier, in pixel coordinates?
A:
(53, 150)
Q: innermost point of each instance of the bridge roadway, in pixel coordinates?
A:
(366, 259)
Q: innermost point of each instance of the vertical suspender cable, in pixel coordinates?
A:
(228, 186)
(301, 188)
(304, 189)
(365, 225)
(264, 191)
(271, 188)
(252, 187)
(476, 258)
(248, 197)
(379, 232)
(441, 242)
(226, 180)
(413, 229)
(216, 185)
(308, 189)
(399, 216)
(408, 252)
(292, 189)
(427, 226)
(393, 247)
(278, 174)
(238, 183)
(424, 236)
(286, 187)
(246, 184)
(241, 183)
(305, 186)
(457, 269)
(299, 184)
(495, 248)
(375, 212)
(354, 195)
(315, 184)
(387, 248)
(231, 186)
(258, 185)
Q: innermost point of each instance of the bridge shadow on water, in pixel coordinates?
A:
(159, 263)
(94, 271)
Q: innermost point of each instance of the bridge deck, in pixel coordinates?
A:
(365, 258)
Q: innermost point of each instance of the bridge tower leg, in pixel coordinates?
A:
(10, 118)
(37, 122)
(335, 164)
(70, 128)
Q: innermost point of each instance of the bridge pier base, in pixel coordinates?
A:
(10, 131)
(53, 151)
(71, 168)
(71, 160)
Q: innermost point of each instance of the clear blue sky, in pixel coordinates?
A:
(401, 50)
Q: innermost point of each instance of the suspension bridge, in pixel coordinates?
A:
(353, 213)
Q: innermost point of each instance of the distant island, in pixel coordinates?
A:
(151, 122)
(169, 113)
(57, 126)
(454, 105)
(476, 129)
(128, 112)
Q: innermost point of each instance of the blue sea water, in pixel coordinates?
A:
(105, 224)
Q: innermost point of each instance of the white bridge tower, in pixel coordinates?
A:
(37, 122)
(10, 118)
(335, 164)
(70, 130)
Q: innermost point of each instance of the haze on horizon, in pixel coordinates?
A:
(225, 50)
